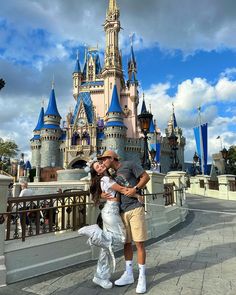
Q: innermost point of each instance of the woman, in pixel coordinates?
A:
(113, 233)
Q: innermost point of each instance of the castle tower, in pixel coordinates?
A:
(132, 66)
(112, 71)
(115, 129)
(77, 77)
(50, 134)
(36, 141)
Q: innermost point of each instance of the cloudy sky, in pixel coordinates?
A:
(185, 50)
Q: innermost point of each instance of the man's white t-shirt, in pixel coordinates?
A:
(106, 184)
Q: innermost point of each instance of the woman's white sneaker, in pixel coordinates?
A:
(125, 279)
(105, 284)
(141, 287)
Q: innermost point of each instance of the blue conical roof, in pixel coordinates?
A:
(40, 120)
(115, 104)
(143, 109)
(52, 105)
(77, 66)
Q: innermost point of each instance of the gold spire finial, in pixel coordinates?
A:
(77, 54)
(112, 5)
(143, 96)
(42, 102)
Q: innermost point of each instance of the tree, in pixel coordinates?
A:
(8, 149)
(2, 83)
(231, 160)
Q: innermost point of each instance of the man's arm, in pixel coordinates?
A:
(143, 180)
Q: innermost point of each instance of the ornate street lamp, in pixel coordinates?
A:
(224, 154)
(145, 119)
(173, 142)
(2, 83)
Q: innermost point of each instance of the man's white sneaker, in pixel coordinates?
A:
(125, 279)
(141, 287)
(105, 284)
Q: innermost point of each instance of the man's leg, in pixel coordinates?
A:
(127, 277)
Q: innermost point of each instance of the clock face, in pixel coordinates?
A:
(81, 122)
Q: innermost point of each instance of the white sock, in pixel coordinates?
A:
(142, 268)
(129, 266)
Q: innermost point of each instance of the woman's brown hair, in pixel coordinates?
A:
(95, 187)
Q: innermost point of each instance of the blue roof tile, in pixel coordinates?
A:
(85, 97)
(40, 120)
(115, 104)
(115, 124)
(36, 137)
(52, 106)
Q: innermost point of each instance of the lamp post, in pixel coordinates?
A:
(173, 142)
(224, 154)
(145, 119)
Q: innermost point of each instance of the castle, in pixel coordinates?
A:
(105, 113)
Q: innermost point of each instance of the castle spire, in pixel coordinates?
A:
(40, 120)
(112, 5)
(115, 104)
(52, 105)
(144, 108)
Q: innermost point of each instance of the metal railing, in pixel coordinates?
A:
(36, 215)
(169, 194)
(232, 185)
(213, 184)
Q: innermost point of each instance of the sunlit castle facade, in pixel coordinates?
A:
(105, 113)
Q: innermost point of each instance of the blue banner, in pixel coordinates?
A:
(157, 148)
(202, 144)
(198, 141)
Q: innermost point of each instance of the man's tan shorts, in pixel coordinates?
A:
(135, 225)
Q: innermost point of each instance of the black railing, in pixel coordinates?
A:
(213, 184)
(232, 185)
(36, 215)
(202, 183)
(169, 194)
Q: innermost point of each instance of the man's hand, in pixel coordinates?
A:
(130, 191)
(106, 196)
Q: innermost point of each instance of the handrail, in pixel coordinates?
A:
(42, 214)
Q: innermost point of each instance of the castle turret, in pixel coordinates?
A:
(132, 67)
(115, 129)
(50, 135)
(77, 78)
(36, 141)
(112, 71)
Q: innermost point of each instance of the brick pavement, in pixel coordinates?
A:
(197, 257)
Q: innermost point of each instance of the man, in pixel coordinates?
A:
(25, 192)
(133, 215)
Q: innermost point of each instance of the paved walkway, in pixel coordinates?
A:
(196, 258)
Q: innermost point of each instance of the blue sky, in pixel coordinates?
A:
(183, 57)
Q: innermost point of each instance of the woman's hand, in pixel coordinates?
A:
(106, 196)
